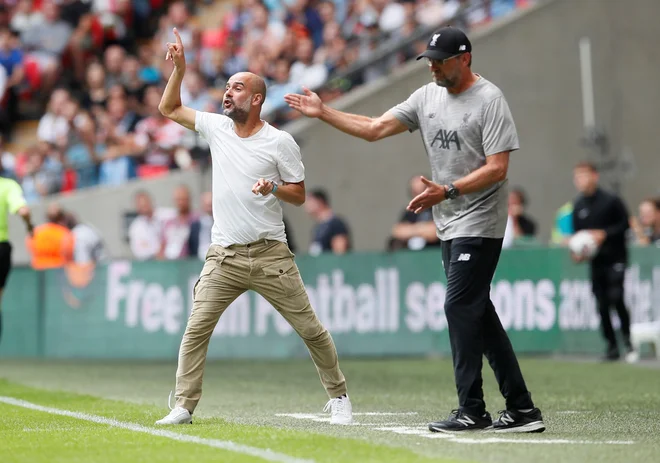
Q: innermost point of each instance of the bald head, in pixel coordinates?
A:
(253, 82)
(244, 95)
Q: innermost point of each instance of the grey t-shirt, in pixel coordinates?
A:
(459, 132)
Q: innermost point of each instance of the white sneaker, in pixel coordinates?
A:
(632, 356)
(178, 415)
(341, 410)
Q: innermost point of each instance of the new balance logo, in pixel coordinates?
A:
(506, 418)
(463, 258)
(446, 138)
(465, 420)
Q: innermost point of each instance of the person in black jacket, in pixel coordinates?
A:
(605, 216)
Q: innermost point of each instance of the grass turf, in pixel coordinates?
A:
(581, 401)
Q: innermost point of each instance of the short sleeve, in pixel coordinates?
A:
(205, 123)
(15, 198)
(499, 131)
(407, 112)
(289, 159)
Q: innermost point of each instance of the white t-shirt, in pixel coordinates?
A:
(144, 237)
(239, 216)
(88, 245)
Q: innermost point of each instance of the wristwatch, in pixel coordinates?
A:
(451, 192)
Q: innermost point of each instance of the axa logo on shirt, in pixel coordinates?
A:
(445, 138)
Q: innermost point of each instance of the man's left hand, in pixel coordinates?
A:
(433, 194)
(598, 236)
(263, 187)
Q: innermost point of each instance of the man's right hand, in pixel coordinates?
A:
(175, 52)
(308, 104)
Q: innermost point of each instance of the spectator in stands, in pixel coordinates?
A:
(305, 72)
(195, 94)
(263, 33)
(146, 231)
(200, 229)
(25, 17)
(118, 163)
(176, 230)
(562, 229)
(178, 16)
(432, 12)
(11, 59)
(331, 53)
(113, 61)
(149, 71)
(96, 93)
(647, 228)
(82, 152)
(53, 125)
(133, 83)
(88, 245)
(280, 86)
(158, 136)
(414, 231)
(43, 173)
(519, 227)
(51, 245)
(7, 162)
(46, 43)
(331, 234)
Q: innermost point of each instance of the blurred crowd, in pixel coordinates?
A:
(181, 231)
(95, 71)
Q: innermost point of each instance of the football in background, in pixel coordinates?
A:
(583, 244)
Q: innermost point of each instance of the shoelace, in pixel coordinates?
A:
(504, 413)
(339, 407)
(169, 401)
(455, 413)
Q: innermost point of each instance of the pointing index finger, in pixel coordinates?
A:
(178, 37)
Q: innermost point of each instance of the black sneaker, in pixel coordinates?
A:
(612, 354)
(517, 421)
(459, 421)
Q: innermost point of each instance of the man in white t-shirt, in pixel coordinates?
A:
(146, 230)
(255, 166)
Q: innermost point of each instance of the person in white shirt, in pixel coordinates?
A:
(255, 166)
(146, 230)
(88, 244)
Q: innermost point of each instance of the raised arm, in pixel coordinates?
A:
(367, 128)
(170, 104)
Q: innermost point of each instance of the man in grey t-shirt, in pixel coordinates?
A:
(468, 133)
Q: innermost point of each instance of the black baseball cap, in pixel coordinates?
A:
(445, 43)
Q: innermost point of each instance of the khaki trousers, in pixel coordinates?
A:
(268, 268)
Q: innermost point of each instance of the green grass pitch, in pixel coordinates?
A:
(85, 411)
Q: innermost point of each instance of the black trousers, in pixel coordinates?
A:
(607, 285)
(475, 329)
(5, 267)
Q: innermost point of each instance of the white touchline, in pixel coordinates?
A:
(462, 439)
(265, 454)
(309, 415)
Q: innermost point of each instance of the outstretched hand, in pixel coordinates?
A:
(433, 194)
(175, 52)
(308, 104)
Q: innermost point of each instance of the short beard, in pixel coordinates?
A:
(444, 83)
(238, 114)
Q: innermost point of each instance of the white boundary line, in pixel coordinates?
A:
(265, 454)
(422, 431)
